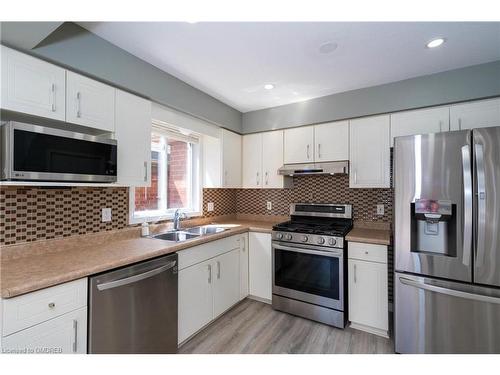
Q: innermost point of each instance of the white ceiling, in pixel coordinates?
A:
(233, 61)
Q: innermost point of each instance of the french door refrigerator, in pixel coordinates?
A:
(447, 242)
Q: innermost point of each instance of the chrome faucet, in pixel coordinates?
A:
(177, 219)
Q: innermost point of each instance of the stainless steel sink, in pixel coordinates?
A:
(205, 229)
(177, 236)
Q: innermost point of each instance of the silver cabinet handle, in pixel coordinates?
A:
(467, 217)
(225, 177)
(355, 176)
(440, 126)
(218, 270)
(481, 203)
(145, 171)
(135, 278)
(307, 152)
(355, 278)
(243, 246)
(267, 178)
(79, 105)
(257, 178)
(210, 274)
(450, 292)
(459, 123)
(53, 89)
(75, 335)
(319, 150)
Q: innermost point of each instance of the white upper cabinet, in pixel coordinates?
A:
(331, 141)
(32, 86)
(369, 152)
(231, 159)
(252, 161)
(133, 134)
(423, 121)
(299, 145)
(89, 103)
(272, 159)
(480, 114)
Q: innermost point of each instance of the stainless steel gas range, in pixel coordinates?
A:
(309, 262)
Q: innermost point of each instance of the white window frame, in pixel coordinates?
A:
(195, 178)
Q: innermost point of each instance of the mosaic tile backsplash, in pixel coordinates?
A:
(31, 214)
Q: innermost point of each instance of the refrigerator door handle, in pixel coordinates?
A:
(481, 203)
(449, 292)
(467, 218)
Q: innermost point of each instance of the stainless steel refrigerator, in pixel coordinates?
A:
(447, 242)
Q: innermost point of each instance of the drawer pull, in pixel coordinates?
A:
(366, 252)
(52, 305)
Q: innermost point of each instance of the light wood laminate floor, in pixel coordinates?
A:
(254, 327)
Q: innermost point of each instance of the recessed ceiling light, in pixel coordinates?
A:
(435, 42)
(328, 47)
(269, 86)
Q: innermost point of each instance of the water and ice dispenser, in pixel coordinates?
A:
(434, 227)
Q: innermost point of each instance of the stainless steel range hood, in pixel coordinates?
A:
(334, 167)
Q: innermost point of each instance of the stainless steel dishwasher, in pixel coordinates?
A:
(134, 309)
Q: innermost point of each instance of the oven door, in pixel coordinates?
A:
(309, 274)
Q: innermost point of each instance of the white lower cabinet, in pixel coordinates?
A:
(260, 266)
(244, 266)
(207, 287)
(368, 295)
(51, 320)
(64, 334)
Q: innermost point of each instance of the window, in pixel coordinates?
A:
(174, 177)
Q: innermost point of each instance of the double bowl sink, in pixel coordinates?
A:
(182, 235)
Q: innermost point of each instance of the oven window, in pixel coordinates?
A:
(35, 152)
(308, 273)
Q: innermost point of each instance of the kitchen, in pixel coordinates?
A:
(229, 218)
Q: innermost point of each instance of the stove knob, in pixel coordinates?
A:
(304, 238)
(288, 237)
(332, 242)
(321, 240)
(279, 236)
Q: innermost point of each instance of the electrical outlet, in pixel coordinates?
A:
(106, 215)
(269, 206)
(380, 209)
(210, 206)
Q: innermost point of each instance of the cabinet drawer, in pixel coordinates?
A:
(33, 308)
(200, 253)
(367, 252)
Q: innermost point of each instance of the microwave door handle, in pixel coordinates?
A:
(467, 216)
(481, 203)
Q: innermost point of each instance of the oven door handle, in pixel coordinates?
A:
(328, 253)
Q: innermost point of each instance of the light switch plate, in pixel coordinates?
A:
(106, 215)
(210, 206)
(269, 205)
(380, 209)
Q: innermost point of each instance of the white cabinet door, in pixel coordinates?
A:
(259, 265)
(231, 159)
(423, 121)
(226, 286)
(212, 162)
(331, 141)
(368, 300)
(133, 134)
(299, 145)
(252, 161)
(195, 298)
(64, 334)
(272, 159)
(480, 114)
(369, 151)
(243, 266)
(32, 86)
(89, 103)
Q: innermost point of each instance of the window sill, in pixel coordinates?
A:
(151, 216)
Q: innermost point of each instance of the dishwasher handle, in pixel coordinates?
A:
(135, 278)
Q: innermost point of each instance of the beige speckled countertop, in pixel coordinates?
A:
(370, 233)
(29, 267)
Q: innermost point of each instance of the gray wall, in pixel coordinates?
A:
(474, 82)
(77, 49)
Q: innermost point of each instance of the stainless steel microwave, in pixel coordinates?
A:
(37, 153)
